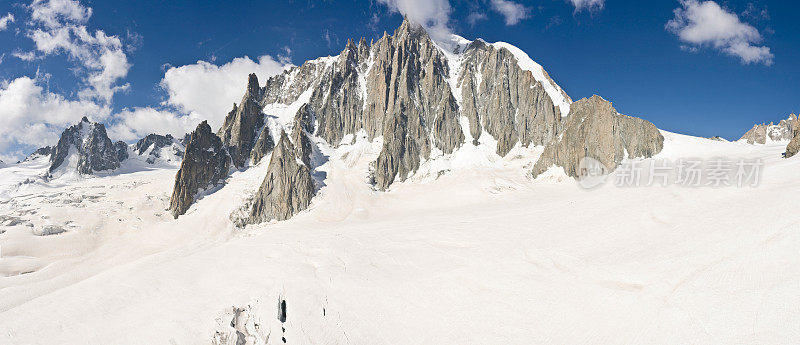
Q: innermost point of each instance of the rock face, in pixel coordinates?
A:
(287, 188)
(263, 145)
(89, 141)
(594, 129)
(122, 150)
(794, 144)
(504, 100)
(303, 123)
(205, 164)
(783, 131)
(154, 144)
(243, 124)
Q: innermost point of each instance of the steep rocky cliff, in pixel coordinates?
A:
(782, 131)
(90, 146)
(498, 96)
(287, 188)
(205, 164)
(594, 129)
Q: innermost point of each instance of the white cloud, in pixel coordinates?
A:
(33, 116)
(136, 123)
(54, 13)
(475, 17)
(434, 15)
(8, 18)
(590, 5)
(512, 11)
(59, 28)
(208, 91)
(700, 24)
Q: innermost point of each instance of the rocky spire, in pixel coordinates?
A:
(242, 124)
(287, 188)
(205, 164)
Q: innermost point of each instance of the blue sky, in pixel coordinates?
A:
(714, 71)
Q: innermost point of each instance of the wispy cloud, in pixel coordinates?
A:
(706, 24)
(434, 15)
(512, 11)
(589, 5)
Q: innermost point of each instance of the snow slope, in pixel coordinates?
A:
(481, 255)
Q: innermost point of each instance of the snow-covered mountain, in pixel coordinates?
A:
(85, 148)
(424, 101)
(160, 148)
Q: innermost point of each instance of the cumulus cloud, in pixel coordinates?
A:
(207, 91)
(434, 15)
(512, 11)
(36, 117)
(136, 123)
(58, 26)
(707, 24)
(590, 5)
(5, 20)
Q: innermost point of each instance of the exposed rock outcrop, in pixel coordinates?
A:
(243, 124)
(263, 146)
(594, 129)
(205, 164)
(122, 150)
(508, 102)
(408, 86)
(303, 123)
(287, 188)
(89, 141)
(783, 131)
(794, 144)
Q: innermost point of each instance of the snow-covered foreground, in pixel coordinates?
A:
(479, 255)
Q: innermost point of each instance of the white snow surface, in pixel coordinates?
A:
(479, 255)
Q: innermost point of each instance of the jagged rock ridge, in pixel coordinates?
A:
(783, 131)
(40, 152)
(205, 164)
(94, 150)
(154, 144)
